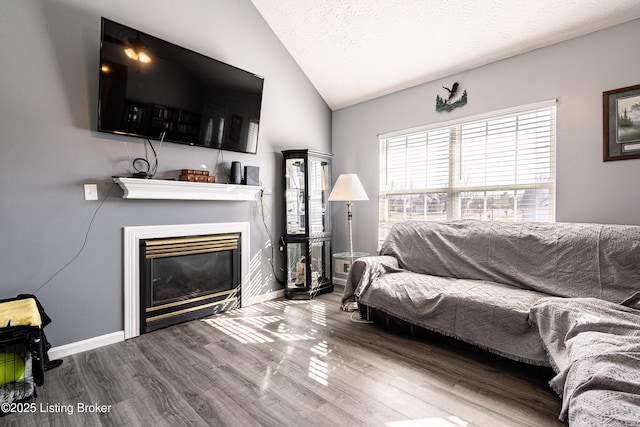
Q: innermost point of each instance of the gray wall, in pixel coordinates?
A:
(575, 73)
(49, 148)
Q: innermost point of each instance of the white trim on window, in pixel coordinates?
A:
(497, 166)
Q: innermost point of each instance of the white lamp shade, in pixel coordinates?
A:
(347, 188)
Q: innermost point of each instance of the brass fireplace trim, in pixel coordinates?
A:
(190, 300)
(164, 248)
(187, 310)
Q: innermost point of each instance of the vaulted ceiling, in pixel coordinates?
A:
(357, 50)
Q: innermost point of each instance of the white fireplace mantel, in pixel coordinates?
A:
(159, 189)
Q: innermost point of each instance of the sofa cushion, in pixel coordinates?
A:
(560, 259)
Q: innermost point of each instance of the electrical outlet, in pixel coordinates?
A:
(91, 191)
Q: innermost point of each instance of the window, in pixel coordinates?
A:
(496, 167)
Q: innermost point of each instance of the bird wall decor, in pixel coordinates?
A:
(453, 91)
(447, 104)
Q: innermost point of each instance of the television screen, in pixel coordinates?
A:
(150, 87)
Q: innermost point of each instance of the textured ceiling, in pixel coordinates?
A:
(353, 51)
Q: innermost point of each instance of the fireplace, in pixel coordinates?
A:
(185, 278)
(135, 306)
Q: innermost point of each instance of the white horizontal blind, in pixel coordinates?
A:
(498, 167)
(418, 161)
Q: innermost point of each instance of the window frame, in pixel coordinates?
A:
(455, 188)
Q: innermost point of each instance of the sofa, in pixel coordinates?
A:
(525, 291)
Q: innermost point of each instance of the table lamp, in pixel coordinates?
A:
(348, 188)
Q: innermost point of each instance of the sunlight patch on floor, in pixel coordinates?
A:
(242, 333)
(247, 326)
(318, 366)
(254, 309)
(318, 371)
(321, 349)
(451, 421)
(261, 321)
(294, 337)
(281, 304)
(318, 314)
(253, 330)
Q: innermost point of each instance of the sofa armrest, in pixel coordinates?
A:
(364, 271)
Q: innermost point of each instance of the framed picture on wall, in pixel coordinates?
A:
(621, 126)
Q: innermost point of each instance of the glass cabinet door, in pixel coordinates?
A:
(308, 265)
(319, 183)
(295, 195)
(320, 262)
(296, 266)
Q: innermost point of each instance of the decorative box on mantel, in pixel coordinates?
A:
(158, 189)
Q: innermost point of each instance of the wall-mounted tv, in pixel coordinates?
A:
(150, 88)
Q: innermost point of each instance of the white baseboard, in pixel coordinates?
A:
(81, 346)
(112, 338)
(247, 301)
(339, 281)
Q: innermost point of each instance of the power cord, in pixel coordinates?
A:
(84, 243)
(314, 290)
(264, 222)
(148, 171)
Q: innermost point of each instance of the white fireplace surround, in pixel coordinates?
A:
(132, 237)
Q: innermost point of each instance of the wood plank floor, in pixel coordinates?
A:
(290, 363)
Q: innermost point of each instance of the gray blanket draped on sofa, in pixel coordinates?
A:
(523, 291)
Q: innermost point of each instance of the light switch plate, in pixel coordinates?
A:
(91, 191)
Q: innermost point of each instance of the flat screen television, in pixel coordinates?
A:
(153, 89)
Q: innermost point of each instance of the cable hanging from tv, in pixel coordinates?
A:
(142, 166)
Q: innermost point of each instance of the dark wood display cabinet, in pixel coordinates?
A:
(307, 223)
